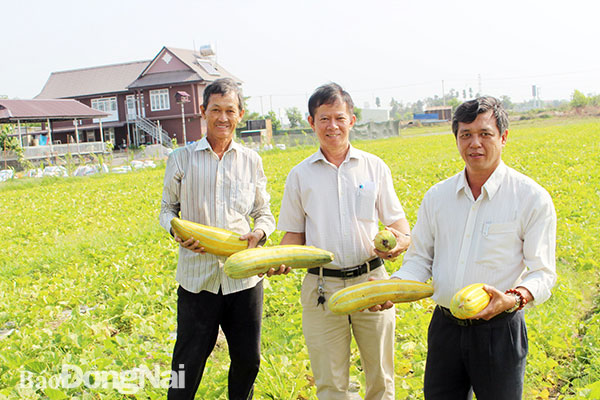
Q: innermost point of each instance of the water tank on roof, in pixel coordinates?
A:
(206, 50)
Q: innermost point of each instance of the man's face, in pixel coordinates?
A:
(480, 143)
(332, 124)
(222, 115)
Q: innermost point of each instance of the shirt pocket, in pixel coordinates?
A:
(243, 198)
(498, 242)
(366, 195)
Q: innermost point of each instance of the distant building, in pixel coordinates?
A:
(374, 115)
(147, 100)
(443, 112)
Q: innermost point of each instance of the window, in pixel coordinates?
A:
(208, 67)
(159, 100)
(131, 107)
(109, 106)
(109, 135)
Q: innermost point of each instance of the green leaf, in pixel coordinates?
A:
(55, 394)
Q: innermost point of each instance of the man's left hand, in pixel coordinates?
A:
(253, 237)
(402, 243)
(499, 303)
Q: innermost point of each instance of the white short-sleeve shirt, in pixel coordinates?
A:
(338, 208)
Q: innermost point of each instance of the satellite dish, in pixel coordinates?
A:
(206, 50)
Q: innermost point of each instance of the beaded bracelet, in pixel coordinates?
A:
(522, 299)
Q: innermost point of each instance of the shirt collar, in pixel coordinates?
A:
(491, 186)
(494, 182)
(318, 155)
(203, 144)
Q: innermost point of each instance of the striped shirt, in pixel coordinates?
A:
(223, 193)
(505, 238)
(338, 208)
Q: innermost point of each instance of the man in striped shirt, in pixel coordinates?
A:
(217, 182)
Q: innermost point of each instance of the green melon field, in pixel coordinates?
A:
(87, 279)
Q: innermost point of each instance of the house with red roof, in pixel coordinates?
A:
(148, 102)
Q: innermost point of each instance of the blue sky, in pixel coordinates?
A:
(282, 50)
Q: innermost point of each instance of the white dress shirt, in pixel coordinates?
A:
(505, 238)
(223, 193)
(338, 209)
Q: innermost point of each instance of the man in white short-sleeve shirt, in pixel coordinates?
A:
(334, 200)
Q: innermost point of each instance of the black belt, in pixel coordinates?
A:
(351, 272)
(471, 322)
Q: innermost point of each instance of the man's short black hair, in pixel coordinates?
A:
(329, 94)
(223, 86)
(468, 111)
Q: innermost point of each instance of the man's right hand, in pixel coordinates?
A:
(191, 244)
(381, 307)
(288, 238)
(282, 270)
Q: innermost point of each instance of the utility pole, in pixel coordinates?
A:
(443, 93)
(183, 97)
(183, 123)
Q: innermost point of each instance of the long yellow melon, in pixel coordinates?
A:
(469, 301)
(218, 241)
(258, 260)
(367, 294)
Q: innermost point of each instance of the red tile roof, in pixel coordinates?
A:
(41, 110)
(91, 81)
(195, 73)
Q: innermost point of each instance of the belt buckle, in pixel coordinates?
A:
(350, 272)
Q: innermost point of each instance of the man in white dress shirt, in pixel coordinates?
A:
(334, 200)
(488, 224)
(217, 182)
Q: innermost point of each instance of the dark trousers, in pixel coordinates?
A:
(489, 358)
(198, 318)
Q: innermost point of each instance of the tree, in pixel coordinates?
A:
(418, 106)
(395, 108)
(275, 122)
(12, 144)
(358, 112)
(377, 102)
(451, 99)
(8, 143)
(579, 100)
(248, 115)
(506, 102)
(294, 116)
(453, 102)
